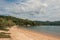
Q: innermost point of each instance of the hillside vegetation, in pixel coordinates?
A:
(8, 21)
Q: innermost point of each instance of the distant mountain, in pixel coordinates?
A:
(48, 23)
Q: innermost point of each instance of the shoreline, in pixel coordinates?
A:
(46, 34)
(43, 34)
(20, 33)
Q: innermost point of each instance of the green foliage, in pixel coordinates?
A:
(4, 35)
(10, 21)
(4, 29)
(5, 22)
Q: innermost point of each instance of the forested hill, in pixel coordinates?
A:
(53, 23)
(10, 21)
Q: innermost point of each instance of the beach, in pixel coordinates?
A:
(23, 34)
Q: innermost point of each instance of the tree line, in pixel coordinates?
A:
(8, 21)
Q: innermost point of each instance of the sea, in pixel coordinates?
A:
(52, 30)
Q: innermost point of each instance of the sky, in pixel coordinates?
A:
(40, 10)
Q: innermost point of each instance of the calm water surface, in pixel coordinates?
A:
(53, 30)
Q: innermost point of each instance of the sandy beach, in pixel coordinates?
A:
(23, 34)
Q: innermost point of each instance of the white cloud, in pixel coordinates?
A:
(32, 9)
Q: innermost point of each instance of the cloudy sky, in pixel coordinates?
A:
(42, 10)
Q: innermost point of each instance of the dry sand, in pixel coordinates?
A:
(5, 39)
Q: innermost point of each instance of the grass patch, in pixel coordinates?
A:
(4, 29)
(4, 35)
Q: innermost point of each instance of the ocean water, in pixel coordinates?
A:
(53, 30)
